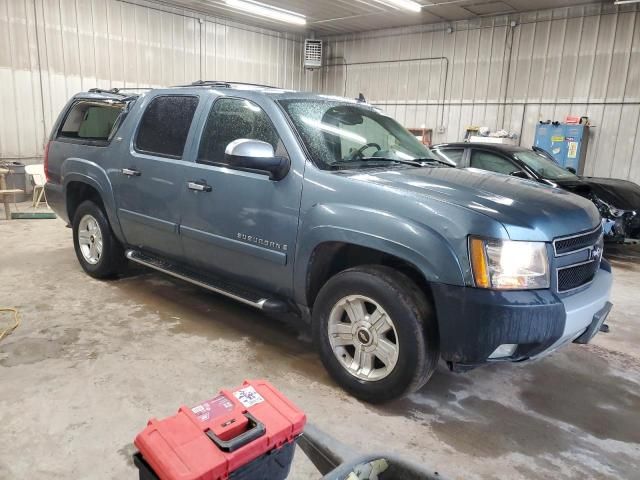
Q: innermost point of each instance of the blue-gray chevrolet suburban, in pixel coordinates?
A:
(328, 208)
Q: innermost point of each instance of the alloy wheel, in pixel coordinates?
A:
(90, 239)
(363, 338)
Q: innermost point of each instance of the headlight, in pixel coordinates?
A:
(509, 265)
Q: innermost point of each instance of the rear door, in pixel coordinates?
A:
(150, 179)
(237, 223)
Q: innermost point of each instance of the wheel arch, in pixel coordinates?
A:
(337, 236)
(79, 191)
(79, 187)
(331, 257)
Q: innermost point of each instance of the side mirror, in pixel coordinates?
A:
(572, 170)
(256, 156)
(519, 174)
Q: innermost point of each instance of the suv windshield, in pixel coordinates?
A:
(543, 166)
(339, 134)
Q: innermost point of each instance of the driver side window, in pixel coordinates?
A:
(231, 119)
(492, 162)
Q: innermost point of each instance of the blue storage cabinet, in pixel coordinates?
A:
(566, 143)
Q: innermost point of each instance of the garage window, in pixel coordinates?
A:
(91, 121)
(165, 125)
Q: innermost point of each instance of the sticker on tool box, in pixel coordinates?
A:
(248, 396)
(212, 408)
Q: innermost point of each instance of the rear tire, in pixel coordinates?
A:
(98, 251)
(391, 348)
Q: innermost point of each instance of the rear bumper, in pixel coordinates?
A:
(56, 200)
(474, 322)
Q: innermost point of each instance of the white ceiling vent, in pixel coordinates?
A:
(312, 53)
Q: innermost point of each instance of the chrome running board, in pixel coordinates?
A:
(242, 295)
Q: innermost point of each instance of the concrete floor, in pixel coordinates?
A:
(92, 361)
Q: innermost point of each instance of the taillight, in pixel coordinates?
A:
(46, 161)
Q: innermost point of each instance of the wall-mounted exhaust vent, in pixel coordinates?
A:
(312, 53)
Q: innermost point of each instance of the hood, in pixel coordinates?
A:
(577, 186)
(620, 194)
(526, 209)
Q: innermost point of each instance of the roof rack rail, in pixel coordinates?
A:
(223, 84)
(118, 91)
(113, 91)
(135, 88)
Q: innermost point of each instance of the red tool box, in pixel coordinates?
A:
(245, 433)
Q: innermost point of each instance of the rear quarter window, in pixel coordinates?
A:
(91, 121)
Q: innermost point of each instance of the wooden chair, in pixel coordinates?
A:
(5, 192)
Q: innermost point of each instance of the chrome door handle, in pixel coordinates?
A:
(199, 187)
(131, 172)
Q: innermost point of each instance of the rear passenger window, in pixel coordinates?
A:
(91, 121)
(165, 125)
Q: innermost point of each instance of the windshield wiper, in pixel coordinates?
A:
(433, 160)
(343, 163)
(414, 163)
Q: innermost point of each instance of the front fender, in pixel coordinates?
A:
(92, 174)
(415, 243)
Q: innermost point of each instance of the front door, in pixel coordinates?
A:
(236, 223)
(150, 179)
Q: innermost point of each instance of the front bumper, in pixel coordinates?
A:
(583, 309)
(474, 322)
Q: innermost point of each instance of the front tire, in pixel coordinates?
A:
(376, 333)
(98, 251)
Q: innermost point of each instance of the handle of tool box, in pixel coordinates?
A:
(255, 431)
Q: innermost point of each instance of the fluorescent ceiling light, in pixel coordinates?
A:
(624, 2)
(406, 4)
(275, 13)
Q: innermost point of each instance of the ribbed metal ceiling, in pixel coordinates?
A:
(327, 17)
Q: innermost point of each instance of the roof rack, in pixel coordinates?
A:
(112, 91)
(118, 91)
(222, 84)
(135, 88)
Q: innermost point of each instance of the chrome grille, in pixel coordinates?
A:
(570, 276)
(575, 276)
(566, 245)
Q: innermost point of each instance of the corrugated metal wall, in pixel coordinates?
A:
(581, 60)
(51, 49)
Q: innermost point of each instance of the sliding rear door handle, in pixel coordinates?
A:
(131, 172)
(199, 186)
